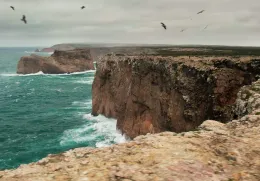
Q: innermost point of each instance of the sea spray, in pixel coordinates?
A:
(39, 112)
(101, 129)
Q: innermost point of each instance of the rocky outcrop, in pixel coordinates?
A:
(47, 50)
(59, 62)
(248, 100)
(148, 94)
(215, 151)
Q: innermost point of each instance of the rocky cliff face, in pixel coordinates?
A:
(154, 94)
(214, 152)
(59, 62)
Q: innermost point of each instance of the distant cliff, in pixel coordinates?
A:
(59, 62)
(154, 94)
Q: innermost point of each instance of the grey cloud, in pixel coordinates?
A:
(132, 21)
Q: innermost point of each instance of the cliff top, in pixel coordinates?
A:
(200, 62)
(215, 151)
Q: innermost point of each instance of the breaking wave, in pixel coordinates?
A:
(14, 75)
(99, 130)
(41, 73)
(88, 80)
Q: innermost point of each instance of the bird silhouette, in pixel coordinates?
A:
(82, 7)
(163, 25)
(24, 19)
(205, 27)
(12, 7)
(182, 30)
(201, 12)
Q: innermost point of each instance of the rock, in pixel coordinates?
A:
(60, 62)
(211, 125)
(85, 162)
(248, 101)
(149, 94)
(212, 156)
(47, 50)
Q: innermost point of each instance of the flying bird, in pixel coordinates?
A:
(82, 7)
(24, 19)
(12, 7)
(201, 12)
(182, 30)
(163, 25)
(205, 27)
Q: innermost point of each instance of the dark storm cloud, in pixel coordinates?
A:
(132, 21)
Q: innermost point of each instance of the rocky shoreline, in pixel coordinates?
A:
(214, 151)
(59, 62)
(171, 97)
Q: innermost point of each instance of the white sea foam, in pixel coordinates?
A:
(85, 81)
(84, 104)
(95, 128)
(74, 73)
(41, 73)
(88, 80)
(87, 104)
(14, 75)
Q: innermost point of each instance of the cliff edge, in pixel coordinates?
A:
(213, 152)
(59, 62)
(151, 94)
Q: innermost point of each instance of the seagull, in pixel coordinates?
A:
(163, 25)
(82, 7)
(201, 12)
(12, 7)
(182, 30)
(205, 27)
(24, 19)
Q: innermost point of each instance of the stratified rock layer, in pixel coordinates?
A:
(59, 62)
(214, 152)
(149, 94)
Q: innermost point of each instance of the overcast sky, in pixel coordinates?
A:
(230, 22)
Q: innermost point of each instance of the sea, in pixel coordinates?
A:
(43, 114)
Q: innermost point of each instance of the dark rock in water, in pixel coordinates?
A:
(37, 50)
(59, 62)
(148, 94)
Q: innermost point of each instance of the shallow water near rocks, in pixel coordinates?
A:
(46, 114)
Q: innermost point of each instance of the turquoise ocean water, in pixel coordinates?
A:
(46, 114)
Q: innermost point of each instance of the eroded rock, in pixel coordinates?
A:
(59, 62)
(148, 94)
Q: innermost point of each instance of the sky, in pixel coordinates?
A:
(230, 22)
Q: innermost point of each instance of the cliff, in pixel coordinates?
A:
(59, 62)
(214, 152)
(47, 50)
(150, 94)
